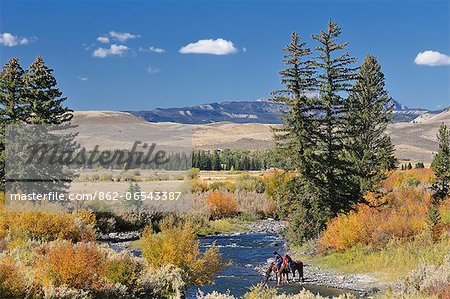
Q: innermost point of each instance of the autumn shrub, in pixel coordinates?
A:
(123, 268)
(251, 202)
(250, 183)
(274, 179)
(198, 185)
(427, 280)
(12, 284)
(48, 226)
(214, 295)
(78, 266)
(263, 292)
(221, 204)
(179, 246)
(402, 215)
(62, 269)
(398, 178)
(167, 282)
(222, 185)
(221, 226)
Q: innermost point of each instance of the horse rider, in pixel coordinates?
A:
(278, 259)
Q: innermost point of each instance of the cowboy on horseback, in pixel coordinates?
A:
(287, 261)
(283, 265)
(278, 260)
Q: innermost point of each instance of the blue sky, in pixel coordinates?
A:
(120, 71)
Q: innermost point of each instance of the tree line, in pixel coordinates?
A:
(235, 159)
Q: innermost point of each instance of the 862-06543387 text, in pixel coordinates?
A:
(98, 195)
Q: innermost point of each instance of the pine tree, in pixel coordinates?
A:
(12, 99)
(332, 172)
(441, 165)
(216, 163)
(133, 201)
(293, 138)
(368, 114)
(45, 101)
(12, 95)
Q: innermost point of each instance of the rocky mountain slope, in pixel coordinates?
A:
(260, 111)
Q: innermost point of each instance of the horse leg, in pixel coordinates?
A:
(300, 272)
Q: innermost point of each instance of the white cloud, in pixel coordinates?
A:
(103, 39)
(122, 36)
(9, 40)
(432, 58)
(152, 49)
(209, 46)
(244, 50)
(152, 70)
(83, 78)
(113, 50)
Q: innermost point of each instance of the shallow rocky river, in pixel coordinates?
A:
(249, 253)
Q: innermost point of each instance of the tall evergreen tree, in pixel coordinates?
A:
(216, 163)
(293, 138)
(368, 114)
(12, 99)
(44, 100)
(12, 93)
(332, 169)
(441, 165)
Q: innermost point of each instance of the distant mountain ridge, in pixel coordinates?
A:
(259, 111)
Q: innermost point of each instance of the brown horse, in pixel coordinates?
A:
(297, 266)
(279, 273)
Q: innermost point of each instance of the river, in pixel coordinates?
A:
(247, 252)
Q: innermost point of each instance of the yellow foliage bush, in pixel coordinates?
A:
(274, 179)
(47, 226)
(401, 216)
(123, 268)
(398, 178)
(198, 185)
(222, 204)
(179, 246)
(11, 279)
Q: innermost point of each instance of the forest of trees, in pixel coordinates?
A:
(236, 159)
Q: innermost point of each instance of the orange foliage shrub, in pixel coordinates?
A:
(401, 216)
(79, 265)
(222, 204)
(11, 280)
(398, 178)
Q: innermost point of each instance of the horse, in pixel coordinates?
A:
(278, 273)
(297, 266)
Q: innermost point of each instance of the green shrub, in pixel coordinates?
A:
(250, 183)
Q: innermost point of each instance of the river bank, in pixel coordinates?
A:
(363, 284)
(250, 250)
